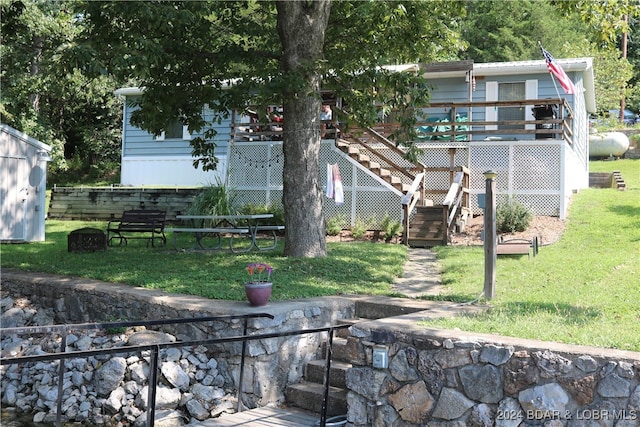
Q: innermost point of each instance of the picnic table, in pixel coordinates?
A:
(231, 226)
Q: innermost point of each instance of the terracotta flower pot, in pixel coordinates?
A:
(258, 294)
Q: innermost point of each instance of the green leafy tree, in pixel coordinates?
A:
(613, 23)
(509, 31)
(499, 30)
(46, 90)
(612, 75)
(273, 53)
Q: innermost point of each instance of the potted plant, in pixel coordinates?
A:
(258, 288)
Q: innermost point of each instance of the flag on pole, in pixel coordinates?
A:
(558, 72)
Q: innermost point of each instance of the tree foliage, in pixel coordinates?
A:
(499, 31)
(234, 54)
(46, 90)
(237, 41)
(609, 22)
(509, 31)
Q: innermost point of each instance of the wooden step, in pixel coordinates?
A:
(424, 243)
(431, 230)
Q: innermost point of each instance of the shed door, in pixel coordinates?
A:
(13, 197)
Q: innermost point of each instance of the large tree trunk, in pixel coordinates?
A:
(301, 27)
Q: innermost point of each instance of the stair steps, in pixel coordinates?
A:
(356, 153)
(427, 227)
(308, 394)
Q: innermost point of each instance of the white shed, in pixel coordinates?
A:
(23, 182)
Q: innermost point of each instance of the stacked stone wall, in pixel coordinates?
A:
(448, 378)
(195, 382)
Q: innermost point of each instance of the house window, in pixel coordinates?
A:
(511, 92)
(176, 130)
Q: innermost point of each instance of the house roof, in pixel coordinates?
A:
(129, 91)
(24, 137)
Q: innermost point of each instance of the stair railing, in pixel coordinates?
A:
(457, 197)
(380, 138)
(409, 201)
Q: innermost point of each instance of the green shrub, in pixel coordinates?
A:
(390, 228)
(359, 228)
(256, 209)
(213, 200)
(512, 216)
(333, 225)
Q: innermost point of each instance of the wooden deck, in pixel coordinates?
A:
(273, 417)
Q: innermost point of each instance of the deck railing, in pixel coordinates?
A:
(557, 125)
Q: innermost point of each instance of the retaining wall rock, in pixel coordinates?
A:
(194, 382)
(452, 378)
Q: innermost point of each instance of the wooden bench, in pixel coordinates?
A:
(517, 247)
(138, 224)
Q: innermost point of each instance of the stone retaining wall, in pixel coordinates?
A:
(434, 377)
(449, 378)
(271, 364)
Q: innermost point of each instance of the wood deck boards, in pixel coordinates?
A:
(273, 417)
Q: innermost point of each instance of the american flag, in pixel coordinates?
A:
(558, 72)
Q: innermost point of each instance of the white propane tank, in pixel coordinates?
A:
(608, 144)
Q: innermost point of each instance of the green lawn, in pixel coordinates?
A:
(584, 289)
(354, 268)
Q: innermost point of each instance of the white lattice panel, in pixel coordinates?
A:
(536, 168)
(530, 172)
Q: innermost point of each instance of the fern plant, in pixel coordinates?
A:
(359, 228)
(333, 225)
(390, 228)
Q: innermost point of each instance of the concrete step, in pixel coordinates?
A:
(307, 395)
(381, 308)
(314, 372)
(346, 350)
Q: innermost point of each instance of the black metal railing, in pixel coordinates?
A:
(154, 350)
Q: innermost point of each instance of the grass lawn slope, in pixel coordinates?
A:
(584, 289)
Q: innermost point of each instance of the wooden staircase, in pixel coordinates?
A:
(382, 157)
(428, 225)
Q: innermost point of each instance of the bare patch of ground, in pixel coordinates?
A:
(548, 229)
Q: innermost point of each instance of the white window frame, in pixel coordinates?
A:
(491, 113)
(185, 135)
